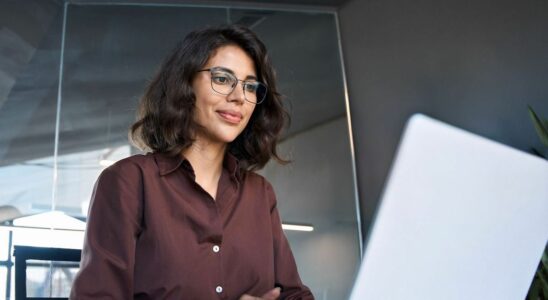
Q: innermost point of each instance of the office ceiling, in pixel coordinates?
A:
(288, 3)
(330, 3)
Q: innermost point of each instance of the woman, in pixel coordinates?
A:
(190, 219)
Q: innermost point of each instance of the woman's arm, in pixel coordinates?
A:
(287, 276)
(114, 222)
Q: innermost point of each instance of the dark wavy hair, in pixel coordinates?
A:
(165, 122)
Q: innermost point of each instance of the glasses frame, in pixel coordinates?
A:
(244, 82)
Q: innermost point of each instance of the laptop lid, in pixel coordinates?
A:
(461, 217)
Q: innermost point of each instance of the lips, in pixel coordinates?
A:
(230, 116)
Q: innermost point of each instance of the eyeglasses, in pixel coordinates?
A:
(224, 82)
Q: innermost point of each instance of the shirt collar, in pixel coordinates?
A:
(169, 163)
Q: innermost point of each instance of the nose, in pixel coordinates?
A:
(237, 94)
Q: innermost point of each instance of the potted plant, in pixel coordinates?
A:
(539, 286)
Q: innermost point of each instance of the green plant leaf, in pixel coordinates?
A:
(538, 153)
(543, 285)
(539, 285)
(540, 125)
(544, 261)
(534, 290)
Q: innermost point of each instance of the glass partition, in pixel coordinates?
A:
(110, 53)
(29, 73)
(30, 44)
(71, 80)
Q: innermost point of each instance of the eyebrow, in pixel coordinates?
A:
(248, 77)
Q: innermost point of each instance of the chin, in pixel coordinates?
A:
(222, 134)
(231, 134)
(228, 137)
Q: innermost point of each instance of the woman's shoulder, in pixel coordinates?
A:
(131, 161)
(132, 165)
(137, 159)
(254, 177)
(258, 182)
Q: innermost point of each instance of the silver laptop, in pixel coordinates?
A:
(461, 217)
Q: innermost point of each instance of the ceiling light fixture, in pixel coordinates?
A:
(298, 227)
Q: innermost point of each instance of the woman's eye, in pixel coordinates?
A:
(250, 87)
(220, 79)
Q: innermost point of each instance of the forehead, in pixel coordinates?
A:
(233, 58)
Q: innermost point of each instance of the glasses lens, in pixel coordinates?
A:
(222, 82)
(254, 91)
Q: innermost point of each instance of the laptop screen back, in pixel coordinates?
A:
(461, 217)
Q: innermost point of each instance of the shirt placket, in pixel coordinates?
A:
(216, 240)
(226, 191)
(216, 249)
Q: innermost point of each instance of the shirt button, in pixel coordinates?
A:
(219, 289)
(216, 248)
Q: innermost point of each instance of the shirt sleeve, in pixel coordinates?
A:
(114, 218)
(286, 273)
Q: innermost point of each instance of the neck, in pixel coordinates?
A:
(207, 161)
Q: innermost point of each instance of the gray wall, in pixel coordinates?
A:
(475, 64)
(317, 188)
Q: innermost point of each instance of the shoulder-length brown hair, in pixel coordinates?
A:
(165, 115)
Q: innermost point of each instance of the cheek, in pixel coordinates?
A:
(202, 94)
(201, 111)
(203, 103)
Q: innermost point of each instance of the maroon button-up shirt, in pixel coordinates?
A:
(154, 233)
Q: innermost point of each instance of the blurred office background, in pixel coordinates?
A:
(71, 74)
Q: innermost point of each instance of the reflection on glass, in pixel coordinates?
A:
(71, 239)
(4, 235)
(50, 279)
(30, 39)
(77, 174)
(30, 42)
(50, 219)
(3, 279)
(5, 262)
